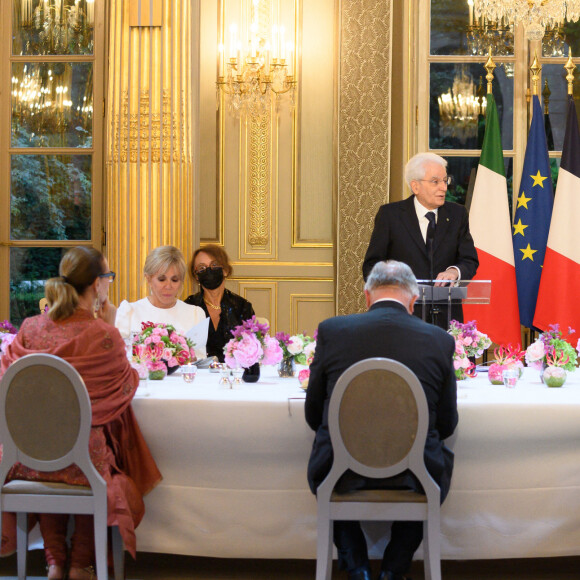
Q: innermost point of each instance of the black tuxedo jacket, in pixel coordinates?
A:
(386, 330)
(397, 236)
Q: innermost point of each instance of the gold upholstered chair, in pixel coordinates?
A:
(378, 421)
(45, 424)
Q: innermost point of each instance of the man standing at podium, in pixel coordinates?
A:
(426, 232)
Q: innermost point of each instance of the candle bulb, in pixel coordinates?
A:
(282, 45)
(275, 42)
(233, 40)
(290, 54)
(267, 60)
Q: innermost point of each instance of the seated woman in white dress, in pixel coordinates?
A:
(164, 271)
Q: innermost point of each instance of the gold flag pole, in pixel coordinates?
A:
(570, 67)
(536, 68)
(489, 67)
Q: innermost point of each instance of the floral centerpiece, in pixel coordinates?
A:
(8, 333)
(469, 342)
(297, 349)
(251, 344)
(506, 357)
(552, 354)
(160, 349)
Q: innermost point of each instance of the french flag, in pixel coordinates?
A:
(559, 295)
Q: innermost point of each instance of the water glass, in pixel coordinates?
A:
(510, 377)
(225, 372)
(188, 373)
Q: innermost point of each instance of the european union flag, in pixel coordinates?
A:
(533, 215)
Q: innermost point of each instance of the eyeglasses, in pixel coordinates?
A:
(446, 181)
(109, 275)
(202, 268)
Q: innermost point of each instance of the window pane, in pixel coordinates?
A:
(455, 31)
(556, 42)
(29, 270)
(53, 27)
(462, 169)
(52, 104)
(454, 120)
(50, 197)
(558, 104)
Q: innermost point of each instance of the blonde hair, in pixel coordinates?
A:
(162, 258)
(78, 269)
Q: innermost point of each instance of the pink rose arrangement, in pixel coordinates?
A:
(159, 349)
(8, 333)
(552, 350)
(469, 342)
(506, 357)
(252, 344)
(300, 347)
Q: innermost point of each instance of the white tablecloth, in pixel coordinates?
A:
(234, 467)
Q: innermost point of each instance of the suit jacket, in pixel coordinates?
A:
(386, 330)
(397, 236)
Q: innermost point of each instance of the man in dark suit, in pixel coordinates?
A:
(443, 250)
(387, 329)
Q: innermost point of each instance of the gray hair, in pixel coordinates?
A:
(162, 258)
(416, 166)
(394, 274)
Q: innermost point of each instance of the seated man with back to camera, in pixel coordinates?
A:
(389, 330)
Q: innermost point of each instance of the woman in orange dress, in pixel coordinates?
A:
(79, 327)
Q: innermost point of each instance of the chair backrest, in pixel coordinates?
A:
(45, 415)
(378, 420)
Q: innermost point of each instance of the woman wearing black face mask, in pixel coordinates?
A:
(210, 266)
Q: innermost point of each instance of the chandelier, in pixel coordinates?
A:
(41, 101)
(459, 109)
(535, 15)
(57, 26)
(260, 66)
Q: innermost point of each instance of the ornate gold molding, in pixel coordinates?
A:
(259, 180)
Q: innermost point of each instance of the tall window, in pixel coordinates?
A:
(452, 87)
(51, 153)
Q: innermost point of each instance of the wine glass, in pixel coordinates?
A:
(237, 374)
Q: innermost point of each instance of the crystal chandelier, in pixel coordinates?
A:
(41, 101)
(535, 15)
(261, 64)
(459, 109)
(57, 26)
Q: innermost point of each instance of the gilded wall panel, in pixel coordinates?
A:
(308, 309)
(149, 157)
(364, 137)
(263, 296)
(280, 241)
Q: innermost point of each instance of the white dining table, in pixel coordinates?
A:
(234, 470)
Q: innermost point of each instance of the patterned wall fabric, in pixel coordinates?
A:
(364, 138)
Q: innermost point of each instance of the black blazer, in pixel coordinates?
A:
(386, 330)
(397, 236)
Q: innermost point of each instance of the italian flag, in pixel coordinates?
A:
(491, 228)
(559, 293)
